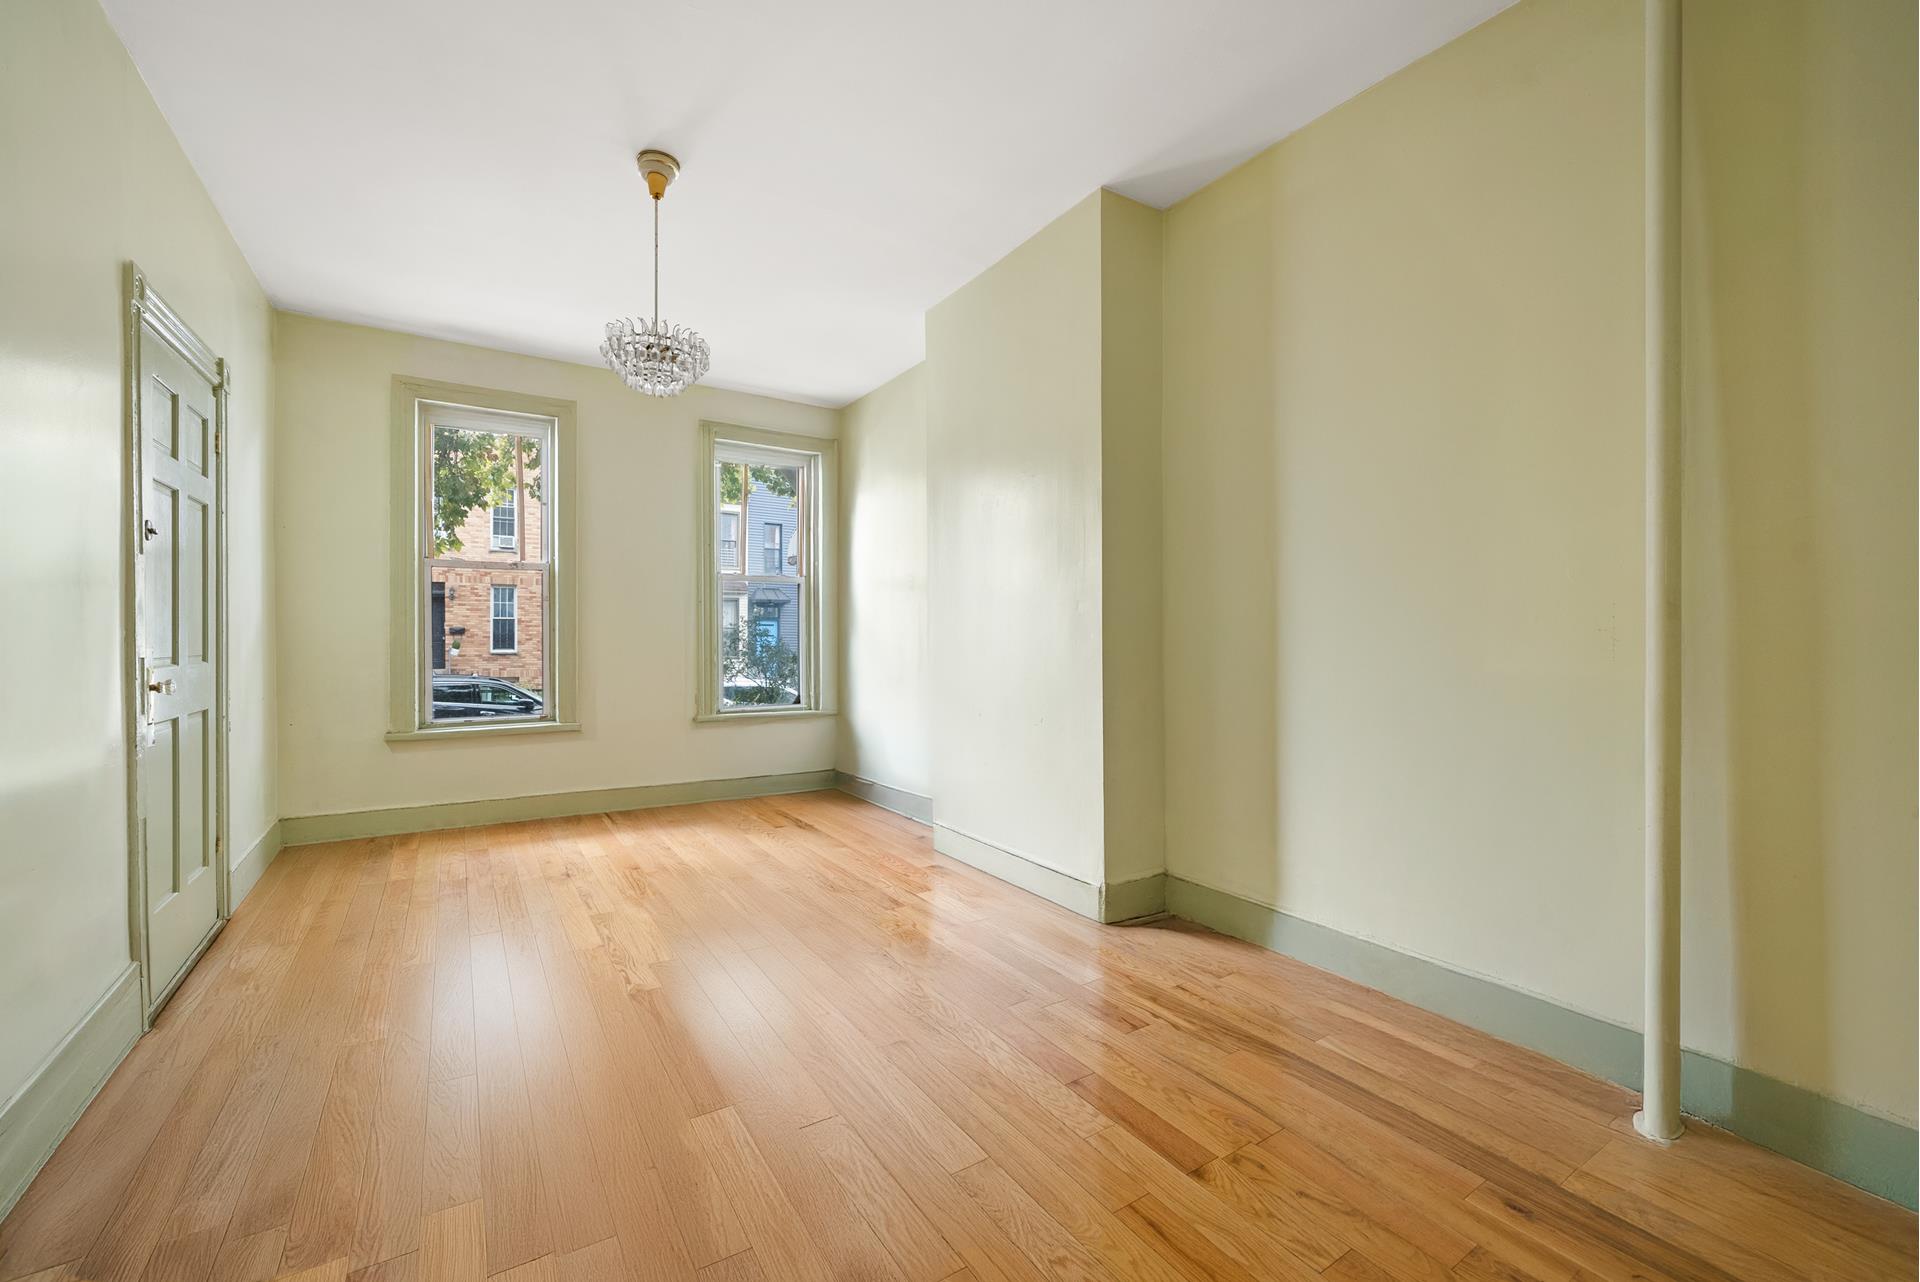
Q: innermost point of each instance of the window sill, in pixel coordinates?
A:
(796, 714)
(482, 731)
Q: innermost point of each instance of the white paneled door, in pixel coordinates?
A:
(177, 827)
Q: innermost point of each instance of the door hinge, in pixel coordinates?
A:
(216, 442)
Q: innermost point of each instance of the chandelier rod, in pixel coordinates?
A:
(656, 262)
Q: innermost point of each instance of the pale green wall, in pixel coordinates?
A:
(883, 548)
(93, 177)
(1133, 729)
(1013, 550)
(1404, 521)
(634, 579)
(1799, 227)
(1042, 403)
(1402, 510)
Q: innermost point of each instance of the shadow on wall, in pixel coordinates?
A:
(1794, 323)
(1223, 777)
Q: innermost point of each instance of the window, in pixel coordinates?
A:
(482, 476)
(506, 618)
(506, 522)
(761, 622)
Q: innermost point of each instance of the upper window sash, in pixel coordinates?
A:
(433, 416)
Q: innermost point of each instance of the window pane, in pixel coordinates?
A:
(533, 500)
(761, 644)
(487, 623)
(768, 500)
(473, 474)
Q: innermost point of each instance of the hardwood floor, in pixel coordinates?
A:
(783, 1039)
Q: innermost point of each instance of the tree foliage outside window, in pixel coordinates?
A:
(772, 480)
(754, 669)
(475, 470)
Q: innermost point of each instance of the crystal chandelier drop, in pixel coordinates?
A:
(649, 355)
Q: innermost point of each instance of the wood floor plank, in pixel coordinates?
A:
(1181, 1244)
(451, 1173)
(576, 1208)
(785, 1038)
(774, 1229)
(915, 1244)
(391, 1201)
(331, 1271)
(323, 1218)
(513, 1188)
(401, 1268)
(453, 1245)
(253, 1258)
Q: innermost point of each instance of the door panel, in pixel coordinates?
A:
(178, 766)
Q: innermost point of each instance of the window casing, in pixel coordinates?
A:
(472, 466)
(762, 618)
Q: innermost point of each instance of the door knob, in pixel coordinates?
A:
(162, 686)
(148, 530)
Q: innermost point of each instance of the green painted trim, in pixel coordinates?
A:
(1107, 903)
(1132, 900)
(248, 868)
(1866, 1151)
(908, 804)
(406, 617)
(348, 826)
(820, 602)
(1018, 870)
(40, 1114)
(482, 730)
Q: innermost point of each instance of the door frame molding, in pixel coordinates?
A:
(147, 310)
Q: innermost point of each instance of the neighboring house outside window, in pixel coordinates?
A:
(506, 619)
(762, 623)
(464, 604)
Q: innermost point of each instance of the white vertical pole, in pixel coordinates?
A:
(1659, 1116)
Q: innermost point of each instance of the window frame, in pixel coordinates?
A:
(410, 679)
(814, 568)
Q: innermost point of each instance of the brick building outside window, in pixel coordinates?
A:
(473, 609)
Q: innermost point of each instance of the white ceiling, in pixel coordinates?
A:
(464, 168)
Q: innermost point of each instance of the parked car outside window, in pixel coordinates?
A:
(464, 698)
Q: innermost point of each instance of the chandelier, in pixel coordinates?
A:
(649, 355)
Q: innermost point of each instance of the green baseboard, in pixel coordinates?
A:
(1848, 1143)
(41, 1112)
(247, 870)
(304, 829)
(899, 800)
(1110, 902)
